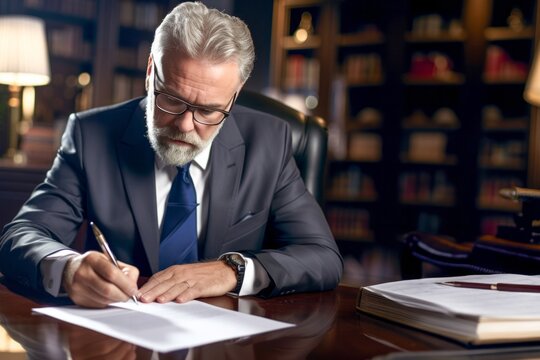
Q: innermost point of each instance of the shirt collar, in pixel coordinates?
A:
(201, 160)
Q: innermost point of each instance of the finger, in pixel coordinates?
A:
(123, 286)
(90, 301)
(157, 279)
(88, 297)
(79, 277)
(174, 291)
(155, 286)
(131, 271)
(89, 283)
(156, 291)
(187, 295)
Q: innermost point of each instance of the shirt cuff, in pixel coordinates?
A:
(255, 277)
(52, 269)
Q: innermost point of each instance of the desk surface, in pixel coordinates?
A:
(327, 327)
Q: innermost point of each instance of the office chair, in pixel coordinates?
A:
(309, 138)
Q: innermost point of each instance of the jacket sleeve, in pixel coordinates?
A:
(300, 253)
(50, 218)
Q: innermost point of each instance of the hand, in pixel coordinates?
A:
(182, 283)
(92, 280)
(86, 345)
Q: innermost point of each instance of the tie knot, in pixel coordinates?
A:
(184, 172)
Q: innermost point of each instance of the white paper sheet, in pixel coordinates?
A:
(165, 327)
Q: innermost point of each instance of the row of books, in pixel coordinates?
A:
(127, 87)
(349, 223)
(425, 187)
(377, 262)
(301, 73)
(69, 42)
(134, 58)
(363, 68)
(352, 183)
(500, 65)
(431, 65)
(82, 8)
(140, 15)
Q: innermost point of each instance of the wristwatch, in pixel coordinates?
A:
(238, 264)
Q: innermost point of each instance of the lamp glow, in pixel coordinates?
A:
(24, 61)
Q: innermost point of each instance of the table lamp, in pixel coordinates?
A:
(24, 61)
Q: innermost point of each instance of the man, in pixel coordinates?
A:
(111, 169)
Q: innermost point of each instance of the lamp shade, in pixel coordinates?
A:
(532, 89)
(24, 60)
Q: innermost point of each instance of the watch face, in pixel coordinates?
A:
(237, 259)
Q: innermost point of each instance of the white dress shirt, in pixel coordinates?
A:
(255, 277)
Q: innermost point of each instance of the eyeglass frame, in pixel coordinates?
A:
(189, 106)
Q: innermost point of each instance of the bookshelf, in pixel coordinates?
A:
(137, 22)
(98, 52)
(503, 145)
(425, 109)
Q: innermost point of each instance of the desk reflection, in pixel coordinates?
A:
(46, 338)
(313, 317)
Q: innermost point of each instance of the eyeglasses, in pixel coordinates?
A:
(175, 106)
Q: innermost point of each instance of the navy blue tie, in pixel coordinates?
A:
(179, 229)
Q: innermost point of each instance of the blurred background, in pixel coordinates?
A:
(423, 101)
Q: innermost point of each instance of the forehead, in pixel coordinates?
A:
(180, 73)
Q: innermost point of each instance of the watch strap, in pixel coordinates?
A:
(237, 263)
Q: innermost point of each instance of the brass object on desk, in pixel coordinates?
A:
(526, 226)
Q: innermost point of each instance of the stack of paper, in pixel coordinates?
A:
(468, 315)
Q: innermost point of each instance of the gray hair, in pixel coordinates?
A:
(206, 34)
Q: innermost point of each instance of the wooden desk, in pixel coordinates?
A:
(327, 328)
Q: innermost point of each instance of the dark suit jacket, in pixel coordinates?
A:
(104, 172)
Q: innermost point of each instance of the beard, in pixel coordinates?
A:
(169, 152)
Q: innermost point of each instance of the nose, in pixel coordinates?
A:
(185, 122)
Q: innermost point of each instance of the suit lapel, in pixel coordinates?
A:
(226, 165)
(136, 161)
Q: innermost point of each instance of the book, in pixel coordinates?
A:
(472, 316)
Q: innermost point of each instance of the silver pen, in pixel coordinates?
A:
(107, 250)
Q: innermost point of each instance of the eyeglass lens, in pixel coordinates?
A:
(175, 106)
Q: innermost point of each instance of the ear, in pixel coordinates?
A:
(148, 72)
